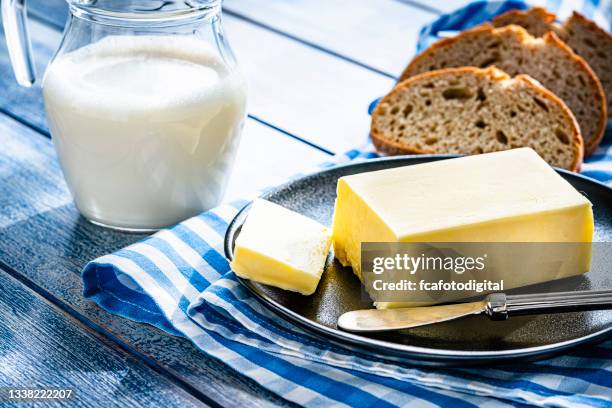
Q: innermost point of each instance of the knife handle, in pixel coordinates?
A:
(499, 305)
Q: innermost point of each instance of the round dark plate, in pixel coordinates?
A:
(467, 341)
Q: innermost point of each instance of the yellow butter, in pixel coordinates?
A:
(509, 196)
(281, 248)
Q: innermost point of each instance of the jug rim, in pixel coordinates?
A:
(126, 13)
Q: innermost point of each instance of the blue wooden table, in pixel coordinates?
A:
(314, 66)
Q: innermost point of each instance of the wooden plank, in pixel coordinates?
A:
(27, 103)
(266, 158)
(381, 36)
(26, 156)
(428, 6)
(295, 87)
(445, 6)
(42, 347)
(314, 95)
(51, 247)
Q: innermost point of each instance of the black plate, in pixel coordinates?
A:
(471, 340)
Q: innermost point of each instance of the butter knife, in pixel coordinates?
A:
(497, 306)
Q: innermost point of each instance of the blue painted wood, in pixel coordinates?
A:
(50, 245)
(382, 36)
(283, 76)
(447, 6)
(26, 156)
(26, 103)
(42, 347)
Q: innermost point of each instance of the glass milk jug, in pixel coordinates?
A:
(145, 106)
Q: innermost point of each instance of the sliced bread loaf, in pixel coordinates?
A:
(548, 60)
(471, 110)
(584, 37)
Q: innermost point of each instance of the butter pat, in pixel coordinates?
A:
(509, 196)
(281, 248)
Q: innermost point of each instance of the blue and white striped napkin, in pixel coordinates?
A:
(179, 281)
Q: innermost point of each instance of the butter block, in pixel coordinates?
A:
(281, 248)
(509, 196)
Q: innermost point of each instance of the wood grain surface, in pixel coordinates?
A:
(381, 38)
(42, 347)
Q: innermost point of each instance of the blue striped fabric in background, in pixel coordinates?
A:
(179, 281)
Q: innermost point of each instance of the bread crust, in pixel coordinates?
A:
(383, 145)
(590, 24)
(548, 20)
(594, 28)
(551, 18)
(551, 39)
(546, 16)
(407, 72)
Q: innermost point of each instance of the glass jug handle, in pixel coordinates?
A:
(18, 41)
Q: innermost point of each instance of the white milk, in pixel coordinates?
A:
(146, 128)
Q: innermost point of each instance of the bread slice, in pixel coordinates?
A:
(548, 60)
(472, 110)
(588, 40)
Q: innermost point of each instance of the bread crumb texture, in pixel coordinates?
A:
(471, 111)
(586, 39)
(513, 50)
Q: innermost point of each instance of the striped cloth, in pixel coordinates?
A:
(179, 281)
